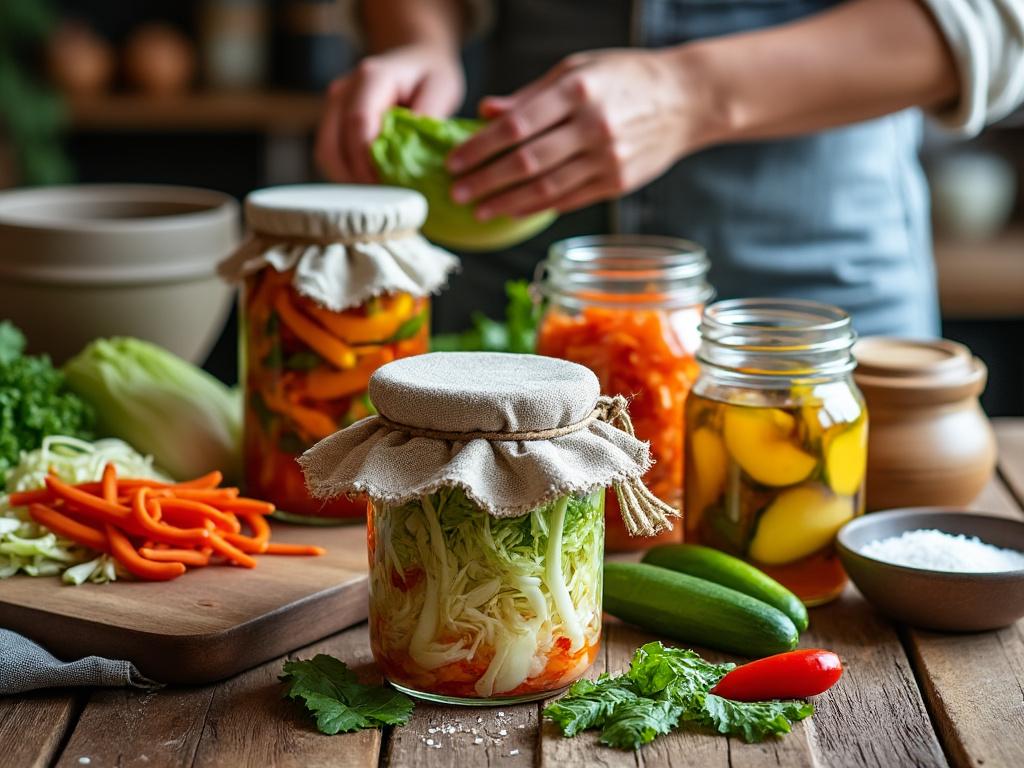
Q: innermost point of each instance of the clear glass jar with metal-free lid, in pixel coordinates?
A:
(487, 476)
(628, 307)
(776, 439)
(335, 282)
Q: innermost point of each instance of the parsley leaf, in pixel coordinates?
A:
(634, 723)
(663, 688)
(339, 702)
(12, 342)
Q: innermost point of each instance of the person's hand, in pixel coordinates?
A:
(426, 78)
(595, 127)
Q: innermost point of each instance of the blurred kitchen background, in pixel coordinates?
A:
(225, 94)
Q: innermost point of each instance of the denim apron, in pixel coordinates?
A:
(840, 216)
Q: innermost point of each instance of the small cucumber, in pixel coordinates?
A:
(695, 611)
(715, 565)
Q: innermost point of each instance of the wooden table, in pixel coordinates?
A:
(908, 698)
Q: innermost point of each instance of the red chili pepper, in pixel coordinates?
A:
(793, 675)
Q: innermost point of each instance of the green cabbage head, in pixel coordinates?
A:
(410, 152)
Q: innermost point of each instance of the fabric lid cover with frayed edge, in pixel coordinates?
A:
(514, 432)
(347, 243)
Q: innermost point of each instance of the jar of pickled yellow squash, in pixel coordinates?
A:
(776, 442)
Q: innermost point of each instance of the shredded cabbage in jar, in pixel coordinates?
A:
(465, 604)
(26, 546)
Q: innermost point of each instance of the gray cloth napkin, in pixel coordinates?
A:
(25, 666)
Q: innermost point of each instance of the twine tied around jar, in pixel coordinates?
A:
(643, 513)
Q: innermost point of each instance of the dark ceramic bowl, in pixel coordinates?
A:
(952, 602)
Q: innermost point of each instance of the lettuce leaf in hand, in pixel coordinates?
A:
(410, 151)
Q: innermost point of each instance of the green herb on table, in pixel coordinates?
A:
(517, 334)
(338, 701)
(663, 688)
(34, 401)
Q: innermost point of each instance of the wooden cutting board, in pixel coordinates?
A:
(208, 624)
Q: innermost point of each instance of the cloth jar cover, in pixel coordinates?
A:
(346, 243)
(475, 392)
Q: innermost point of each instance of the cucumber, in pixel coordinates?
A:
(715, 565)
(695, 611)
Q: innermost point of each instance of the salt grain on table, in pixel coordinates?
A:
(935, 550)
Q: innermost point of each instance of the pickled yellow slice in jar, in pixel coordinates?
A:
(759, 439)
(846, 457)
(709, 467)
(798, 523)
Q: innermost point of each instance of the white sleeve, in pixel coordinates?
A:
(987, 40)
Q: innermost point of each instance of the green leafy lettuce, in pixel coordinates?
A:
(663, 688)
(34, 401)
(410, 151)
(338, 701)
(517, 334)
(186, 419)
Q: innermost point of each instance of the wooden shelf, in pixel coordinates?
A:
(270, 112)
(982, 280)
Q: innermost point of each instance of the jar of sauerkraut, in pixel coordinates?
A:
(628, 307)
(776, 439)
(335, 282)
(486, 474)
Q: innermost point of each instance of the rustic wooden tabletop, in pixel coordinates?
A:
(908, 698)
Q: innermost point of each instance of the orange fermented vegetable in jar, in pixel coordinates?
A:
(629, 309)
(306, 375)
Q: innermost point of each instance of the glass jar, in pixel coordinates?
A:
(628, 307)
(776, 441)
(467, 608)
(306, 370)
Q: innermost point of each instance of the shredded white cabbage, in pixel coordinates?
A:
(27, 547)
(450, 583)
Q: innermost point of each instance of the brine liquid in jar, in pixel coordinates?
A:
(306, 372)
(628, 308)
(776, 441)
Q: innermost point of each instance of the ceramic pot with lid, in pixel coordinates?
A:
(930, 442)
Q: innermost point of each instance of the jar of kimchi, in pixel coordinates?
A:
(776, 445)
(487, 475)
(335, 282)
(628, 307)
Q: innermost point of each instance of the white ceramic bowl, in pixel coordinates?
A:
(81, 262)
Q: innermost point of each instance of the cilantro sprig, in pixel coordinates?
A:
(338, 701)
(663, 689)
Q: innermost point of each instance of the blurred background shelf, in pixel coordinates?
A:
(982, 280)
(200, 111)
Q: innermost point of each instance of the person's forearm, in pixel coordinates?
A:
(862, 59)
(392, 23)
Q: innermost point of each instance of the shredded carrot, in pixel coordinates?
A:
(333, 350)
(137, 565)
(294, 549)
(62, 525)
(157, 530)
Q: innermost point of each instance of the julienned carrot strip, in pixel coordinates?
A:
(252, 506)
(137, 565)
(201, 494)
(193, 557)
(293, 549)
(162, 531)
(79, 498)
(220, 519)
(62, 525)
(205, 482)
(316, 423)
(333, 350)
(25, 498)
(108, 483)
(230, 551)
(366, 329)
(247, 544)
(259, 525)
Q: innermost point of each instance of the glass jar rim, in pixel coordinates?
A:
(766, 336)
(622, 270)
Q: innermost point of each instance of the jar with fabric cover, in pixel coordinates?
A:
(335, 282)
(776, 439)
(487, 474)
(628, 307)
